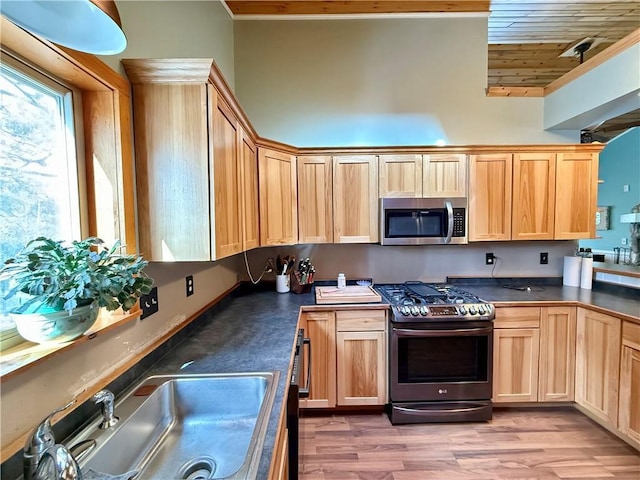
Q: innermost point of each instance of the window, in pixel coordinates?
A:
(39, 188)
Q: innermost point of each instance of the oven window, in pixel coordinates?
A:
(410, 223)
(442, 359)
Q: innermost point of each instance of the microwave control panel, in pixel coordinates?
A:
(459, 222)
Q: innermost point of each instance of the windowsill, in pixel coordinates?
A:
(20, 358)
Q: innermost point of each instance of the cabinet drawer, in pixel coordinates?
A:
(631, 335)
(360, 320)
(517, 317)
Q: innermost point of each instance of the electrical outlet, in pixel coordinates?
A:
(624, 241)
(625, 188)
(489, 259)
(544, 258)
(149, 303)
(189, 282)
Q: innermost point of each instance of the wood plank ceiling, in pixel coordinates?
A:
(526, 38)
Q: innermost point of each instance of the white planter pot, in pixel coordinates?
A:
(58, 326)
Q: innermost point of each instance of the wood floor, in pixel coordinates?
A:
(531, 444)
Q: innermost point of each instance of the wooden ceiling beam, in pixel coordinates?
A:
(336, 7)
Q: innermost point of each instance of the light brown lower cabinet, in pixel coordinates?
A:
(598, 364)
(320, 327)
(279, 469)
(515, 359)
(629, 402)
(557, 354)
(348, 358)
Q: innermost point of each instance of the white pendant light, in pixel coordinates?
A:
(91, 26)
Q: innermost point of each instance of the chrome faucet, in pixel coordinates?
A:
(38, 443)
(106, 400)
(57, 463)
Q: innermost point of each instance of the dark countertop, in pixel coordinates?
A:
(255, 332)
(626, 304)
(249, 333)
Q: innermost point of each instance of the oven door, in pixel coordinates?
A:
(449, 361)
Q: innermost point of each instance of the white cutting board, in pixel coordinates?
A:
(348, 294)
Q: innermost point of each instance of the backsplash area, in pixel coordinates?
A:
(388, 264)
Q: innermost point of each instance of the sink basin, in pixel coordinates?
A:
(195, 427)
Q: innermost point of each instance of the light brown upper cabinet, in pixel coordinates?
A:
(534, 182)
(277, 197)
(172, 171)
(439, 175)
(249, 192)
(576, 195)
(191, 159)
(315, 199)
(226, 180)
(400, 176)
(490, 197)
(444, 175)
(355, 198)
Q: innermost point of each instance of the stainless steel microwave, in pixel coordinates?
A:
(423, 221)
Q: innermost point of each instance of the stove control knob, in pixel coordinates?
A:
(472, 310)
(481, 310)
(423, 311)
(414, 311)
(462, 310)
(405, 310)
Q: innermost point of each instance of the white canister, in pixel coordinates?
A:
(571, 271)
(586, 273)
(342, 280)
(282, 283)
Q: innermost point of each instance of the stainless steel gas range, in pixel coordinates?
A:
(440, 353)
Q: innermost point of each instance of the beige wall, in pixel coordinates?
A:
(176, 29)
(30, 396)
(432, 263)
(378, 82)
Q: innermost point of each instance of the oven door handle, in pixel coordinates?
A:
(304, 392)
(449, 207)
(457, 332)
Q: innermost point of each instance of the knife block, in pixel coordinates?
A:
(297, 287)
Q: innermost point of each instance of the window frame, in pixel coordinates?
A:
(72, 109)
(102, 115)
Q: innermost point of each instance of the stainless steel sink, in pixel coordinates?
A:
(195, 427)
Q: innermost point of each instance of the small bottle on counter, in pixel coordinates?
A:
(342, 281)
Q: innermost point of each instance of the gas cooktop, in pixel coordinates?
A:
(419, 302)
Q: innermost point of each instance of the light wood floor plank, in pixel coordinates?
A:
(518, 444)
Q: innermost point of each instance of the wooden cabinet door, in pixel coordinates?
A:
(533, 207)
(227, 205)
(400, 176)
(249, 192)
(320, 327)
(277, 198)
(515, 364)
(629, 406)
(490, 197)
(315, 199)
(355, 199)
(361, 368)
(172, 171)
(597, 364)
(576, 195)
(445, 175)
(557, 354)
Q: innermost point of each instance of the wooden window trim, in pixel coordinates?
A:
(106, 98)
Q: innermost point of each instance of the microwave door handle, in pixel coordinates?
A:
(449, 221)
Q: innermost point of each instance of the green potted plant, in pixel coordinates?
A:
(63, 285)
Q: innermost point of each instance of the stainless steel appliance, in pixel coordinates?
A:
(293, 401)
(423, 221)
(440, 353)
